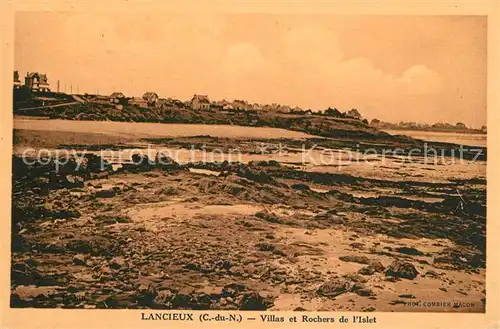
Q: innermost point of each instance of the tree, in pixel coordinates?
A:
(354, 113)
(333, 112)
(461, 125)
(375, 122)
(22, 94)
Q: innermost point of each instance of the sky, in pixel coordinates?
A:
(394, 68)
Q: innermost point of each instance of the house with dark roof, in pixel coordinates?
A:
(163, 102)
(241, 105)
(151, 98)
(118, 98)
(36, 81)
(200, 102)
(138, 101)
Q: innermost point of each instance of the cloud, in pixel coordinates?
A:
(419, 79)
(319, 75)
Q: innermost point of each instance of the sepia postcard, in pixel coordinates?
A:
(280, 164)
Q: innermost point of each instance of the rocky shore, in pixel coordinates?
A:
(250, 236)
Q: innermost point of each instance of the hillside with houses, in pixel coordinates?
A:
(30, 100)
(35, 98)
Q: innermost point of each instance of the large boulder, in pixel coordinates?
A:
(140, 160)
(301, 187)
(94, 163)
(117, 263)
(334, 288)
(399, 269)
(164, 161)
(355, 259)
(108, 193)
(256, 175)
(252, 301)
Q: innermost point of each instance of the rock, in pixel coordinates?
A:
(354, 278)
(73, 181)
(252, 301)
(409, 251)
(104, 269)
(270, 163)
(410, 296)
(79, 260)
(140, 160)
(231, 290)
(460, 204)
(80, 246)
(94, 163)
(123, 219)
(357, 245)
(109, 221)
(182, 299)
(105, 193)
(162, 158)
(270, 247)
(32, 262)
(392, 279)
(201, 302)
(16, 301)
(431, 274)
(21, 267)
(165, 162)
(365, 292)
(399, 269)
(72, 289)
(255, 175)
(459, 258)
(367, 270)
(225, 264)
(268, 216)
(41, 181)
(22, 274)
(117, 263)
(334, 288)
(377, 266)
(355, 259)
(331, 217)
(301, 187)
(213, 292)
(60, 214)
(146, 296)
(99, 175)
(163, 297)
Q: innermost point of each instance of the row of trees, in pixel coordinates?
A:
(415, 125)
